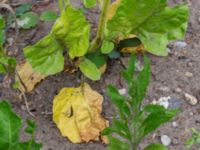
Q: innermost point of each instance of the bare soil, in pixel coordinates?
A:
(167, 73)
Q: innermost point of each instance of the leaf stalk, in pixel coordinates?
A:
(96, 43)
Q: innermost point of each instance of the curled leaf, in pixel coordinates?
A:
(77, 113)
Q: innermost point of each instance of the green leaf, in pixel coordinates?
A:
(7, 64)
(29, 145)
(119, 101)
(2, 22)
(10, 125)
(23, 9)
(152, 21)
(128, 73)
(48, 16)
(72, 29)
(89, 3)
(138, 86)
(90, 70)
(97, 58)
(107, 47)
(194, 139)
(2, 32)
(46, 56)
(30, 127)
(157, 116)
(28, 20)
(155, 147)
(117, 144)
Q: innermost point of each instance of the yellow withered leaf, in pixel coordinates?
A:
(77, 113)
(28, 77)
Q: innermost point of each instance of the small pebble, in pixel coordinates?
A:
(165, 140)
(175, 141)
(164, 101)
(174, 103)
(189, 74)
(164, 89)
(122, 91)
(178, 90)
(180, 44)
(189, 64)
(174, 124)
(191, 99)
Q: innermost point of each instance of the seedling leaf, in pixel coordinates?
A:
(28, 20)
(48, 16)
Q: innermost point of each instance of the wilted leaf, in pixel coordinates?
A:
(154, 23)
(28, 77)
(77, 113)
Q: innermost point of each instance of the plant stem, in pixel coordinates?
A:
(60, 5)
(63, 4)
(101, 27)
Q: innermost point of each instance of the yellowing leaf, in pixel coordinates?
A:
(77, 113)
(28, 77)
(112, 9)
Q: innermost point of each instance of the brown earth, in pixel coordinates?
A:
(167, 73)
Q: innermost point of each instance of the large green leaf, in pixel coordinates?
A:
(90, 70)
(152, 21)
(72, 29)
(10, 125)
(46, 56)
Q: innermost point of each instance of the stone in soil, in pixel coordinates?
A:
(191, 99)
(165, 140)
(174, 103)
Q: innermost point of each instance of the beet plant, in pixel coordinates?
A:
(122, 25)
